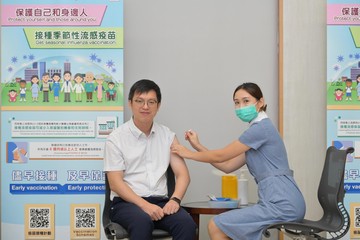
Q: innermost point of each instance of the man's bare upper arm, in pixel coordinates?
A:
(177, 163)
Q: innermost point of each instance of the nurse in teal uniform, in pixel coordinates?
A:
(261, 148)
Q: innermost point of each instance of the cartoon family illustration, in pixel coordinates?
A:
(81, 84)
(339, 92)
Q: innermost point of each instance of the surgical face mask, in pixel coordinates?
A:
(247, 114)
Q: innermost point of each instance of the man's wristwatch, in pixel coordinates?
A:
(176, 200)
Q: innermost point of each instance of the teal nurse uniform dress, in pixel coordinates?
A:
(279, 197)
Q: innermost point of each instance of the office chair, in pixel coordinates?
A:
(335, 221)
(115, 231)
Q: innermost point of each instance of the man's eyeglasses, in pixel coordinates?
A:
(149, 103)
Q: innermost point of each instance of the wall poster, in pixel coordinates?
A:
(343, 96)
(61, 95)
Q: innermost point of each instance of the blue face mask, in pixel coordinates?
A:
(247, 114)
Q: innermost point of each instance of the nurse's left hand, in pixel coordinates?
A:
(181, 151)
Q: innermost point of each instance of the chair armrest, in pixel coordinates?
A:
(114, 229)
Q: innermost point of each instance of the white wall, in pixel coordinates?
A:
(305, 94)
(198, 51)
(195, 50)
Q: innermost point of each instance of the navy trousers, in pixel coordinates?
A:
(140, 226)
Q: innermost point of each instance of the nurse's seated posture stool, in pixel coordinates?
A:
(115, 231)
(335, 221)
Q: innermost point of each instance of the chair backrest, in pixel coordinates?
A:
(107, 205)
(170, 181)
(331, 188)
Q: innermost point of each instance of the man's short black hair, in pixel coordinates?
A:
(144, 86)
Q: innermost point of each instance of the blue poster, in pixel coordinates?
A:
(343, 97)
(61, 96)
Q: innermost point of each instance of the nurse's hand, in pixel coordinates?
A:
(193, 139)
(181, 151)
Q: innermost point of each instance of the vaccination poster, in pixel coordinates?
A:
(61, 95)
(343, 97)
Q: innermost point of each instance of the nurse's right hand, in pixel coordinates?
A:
(193, 139)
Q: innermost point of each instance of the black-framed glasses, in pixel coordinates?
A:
(149, 103)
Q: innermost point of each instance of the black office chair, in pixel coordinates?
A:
(335, 220)
(116, 231)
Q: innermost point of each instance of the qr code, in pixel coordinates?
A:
(357, 217)
(85, 217)
(39, 218)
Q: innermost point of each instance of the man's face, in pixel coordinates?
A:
(67, 76)
(144, 112)
(89, 77)
(22, 84)
(45, 78)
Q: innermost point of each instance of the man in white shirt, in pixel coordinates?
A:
(137, 155)
(67, 87)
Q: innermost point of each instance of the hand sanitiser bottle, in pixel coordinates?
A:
(243, 188)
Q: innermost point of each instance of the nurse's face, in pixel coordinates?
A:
(242, 99)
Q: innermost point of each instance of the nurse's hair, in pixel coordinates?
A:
(254, 90)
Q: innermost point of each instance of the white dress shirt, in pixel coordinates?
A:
(144, 159)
